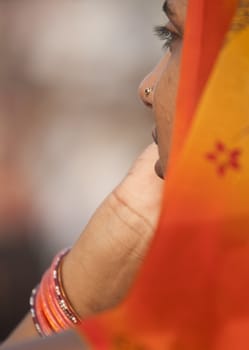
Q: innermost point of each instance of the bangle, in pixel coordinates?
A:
(62, 299)
(33, 308)
(50, 307)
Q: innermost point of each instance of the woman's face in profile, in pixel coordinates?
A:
(162, 82)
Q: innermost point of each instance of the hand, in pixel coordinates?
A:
(102, 265)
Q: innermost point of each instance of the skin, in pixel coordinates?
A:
(64, 341)
(100, 269)
(164, 80)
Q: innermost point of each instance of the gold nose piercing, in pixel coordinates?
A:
(148, 91)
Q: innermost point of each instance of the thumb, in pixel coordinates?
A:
(142, 188)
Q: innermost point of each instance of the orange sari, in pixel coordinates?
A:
(192, 292)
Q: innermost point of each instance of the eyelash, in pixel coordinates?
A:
(166, 35)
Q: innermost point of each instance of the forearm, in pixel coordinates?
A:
(25, 330)
(64, 341)
(81, 277)
(100, 268)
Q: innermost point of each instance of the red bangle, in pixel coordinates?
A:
(61, 296)
(51, 310)
(33, 311)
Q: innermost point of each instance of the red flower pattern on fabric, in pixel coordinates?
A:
(224, 158)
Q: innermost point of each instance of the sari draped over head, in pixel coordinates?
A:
(192, 292)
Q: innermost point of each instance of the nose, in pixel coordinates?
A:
(146, 90)
(148, 86)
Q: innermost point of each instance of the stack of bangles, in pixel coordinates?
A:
(50, 308)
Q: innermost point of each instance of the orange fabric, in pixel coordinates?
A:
(206, 26)
(193, 290)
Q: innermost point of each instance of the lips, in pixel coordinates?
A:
(154, 136)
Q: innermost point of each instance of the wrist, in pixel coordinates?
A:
(75, 284)
(107, 254)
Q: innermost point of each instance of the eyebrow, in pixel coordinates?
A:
(167, 9)
(171, 14)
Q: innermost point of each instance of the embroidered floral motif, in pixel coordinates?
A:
(224, 158)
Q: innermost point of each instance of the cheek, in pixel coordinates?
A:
(165, 104)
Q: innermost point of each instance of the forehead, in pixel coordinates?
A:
(177, 4)
(179, 8)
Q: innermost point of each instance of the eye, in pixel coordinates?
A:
(167, 35)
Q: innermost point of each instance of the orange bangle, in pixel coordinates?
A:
(49, 306)
(43, 322)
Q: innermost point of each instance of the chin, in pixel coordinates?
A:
(159, 169)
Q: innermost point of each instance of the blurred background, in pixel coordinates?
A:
(70, 124)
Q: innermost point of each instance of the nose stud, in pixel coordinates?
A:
(148, 91)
